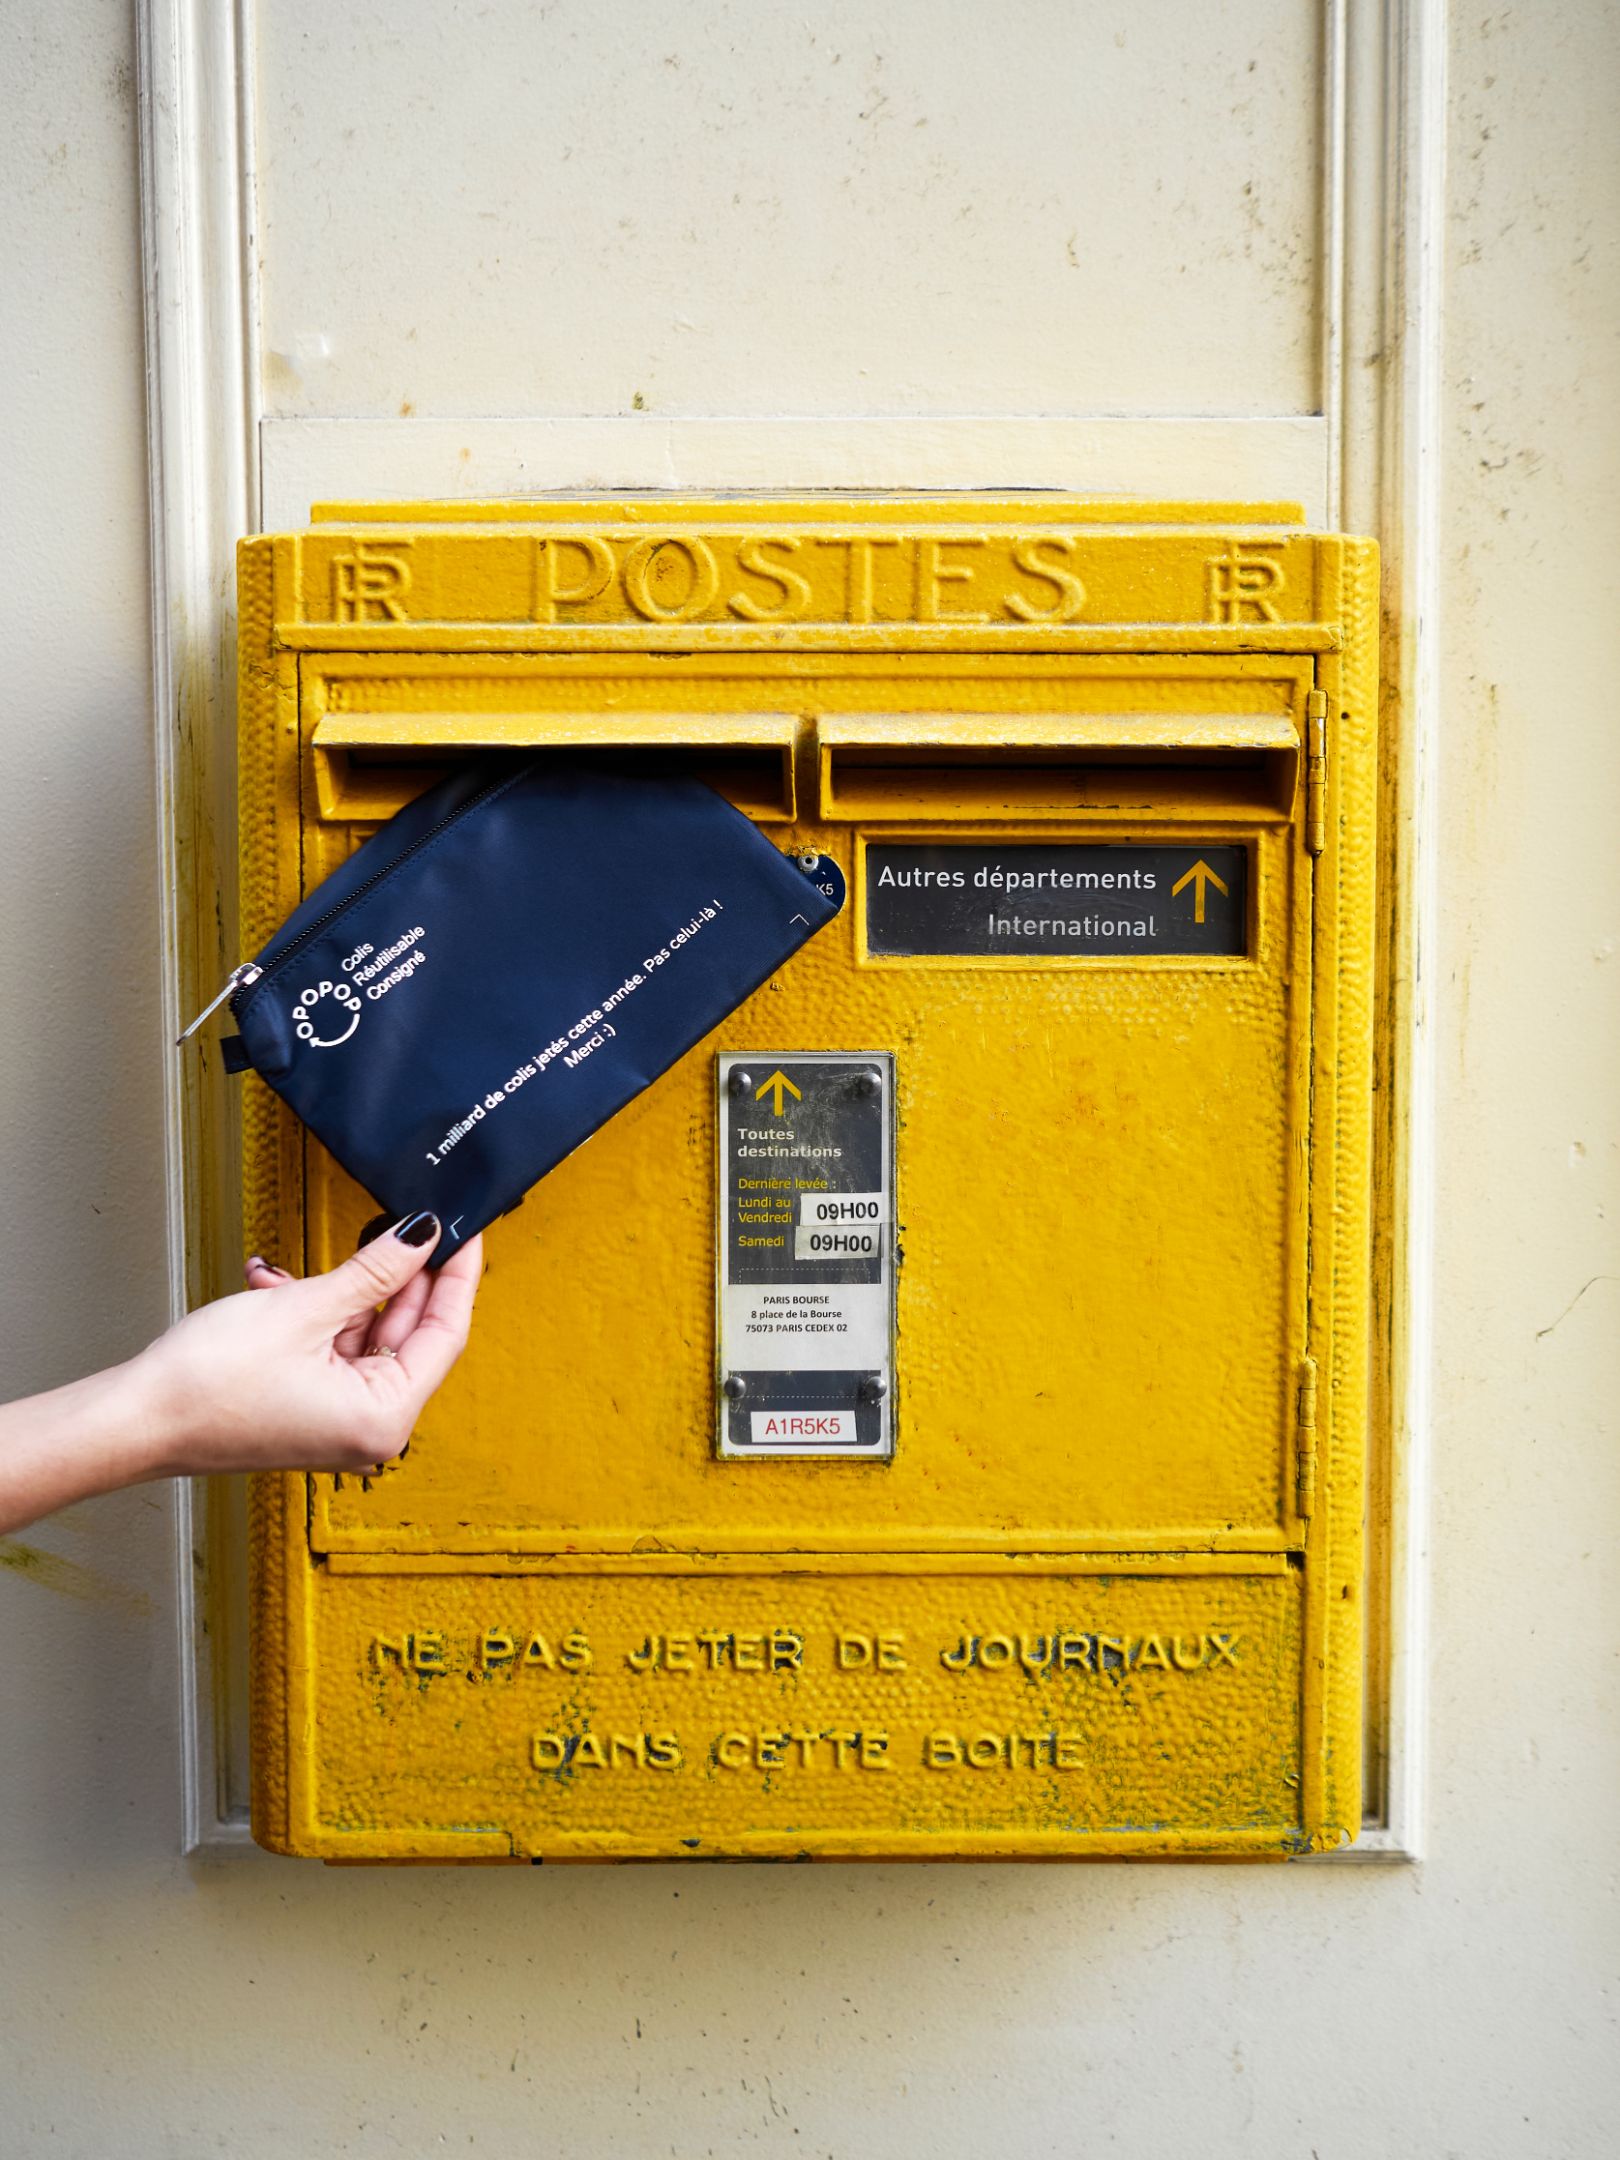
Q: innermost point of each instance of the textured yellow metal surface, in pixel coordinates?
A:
(1106, 1598)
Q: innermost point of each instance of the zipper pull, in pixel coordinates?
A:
(238, 979)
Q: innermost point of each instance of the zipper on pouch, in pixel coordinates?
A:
(237, 979)
(244, 977)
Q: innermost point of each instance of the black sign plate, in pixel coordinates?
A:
(979, 900)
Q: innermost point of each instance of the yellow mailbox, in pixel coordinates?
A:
(930, 1420)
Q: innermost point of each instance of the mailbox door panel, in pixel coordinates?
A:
(1100, 1176)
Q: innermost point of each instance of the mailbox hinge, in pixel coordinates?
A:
(1305, 1440)
(1315, 771)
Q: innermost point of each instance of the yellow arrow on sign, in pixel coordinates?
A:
(1199, 877)
(779, 1083)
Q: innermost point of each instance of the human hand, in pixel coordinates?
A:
(312, 1375)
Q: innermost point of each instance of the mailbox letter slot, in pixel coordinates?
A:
(1000, 765)
(368, 765)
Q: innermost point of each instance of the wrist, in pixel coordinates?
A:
(155, 1437)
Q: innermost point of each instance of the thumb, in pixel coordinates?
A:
(373, 1274)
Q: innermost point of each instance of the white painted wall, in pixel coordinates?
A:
(156, 2007)
(779, 208)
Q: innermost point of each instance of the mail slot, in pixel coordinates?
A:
(929, 1422)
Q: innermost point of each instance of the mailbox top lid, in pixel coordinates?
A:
(865, 506)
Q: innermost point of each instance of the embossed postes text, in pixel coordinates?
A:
(764, 580)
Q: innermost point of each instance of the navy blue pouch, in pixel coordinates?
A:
(509, 961)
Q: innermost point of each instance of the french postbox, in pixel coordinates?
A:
(929, 1421)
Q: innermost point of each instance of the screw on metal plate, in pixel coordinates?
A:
(734, 1387)
(809, 860)
(873, 1387)
(740, 1083)
(868, 1083)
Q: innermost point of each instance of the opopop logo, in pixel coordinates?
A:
(326, 1015)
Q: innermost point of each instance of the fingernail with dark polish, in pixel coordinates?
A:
(375, 1228)
(418, 1229)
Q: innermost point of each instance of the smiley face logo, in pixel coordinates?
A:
(327, 1014)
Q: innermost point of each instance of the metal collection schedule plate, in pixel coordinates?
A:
(806, 1241)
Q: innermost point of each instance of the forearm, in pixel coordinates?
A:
(329, 1374)
(94, 1435)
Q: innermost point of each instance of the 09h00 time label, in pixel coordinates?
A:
(806, 1252)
